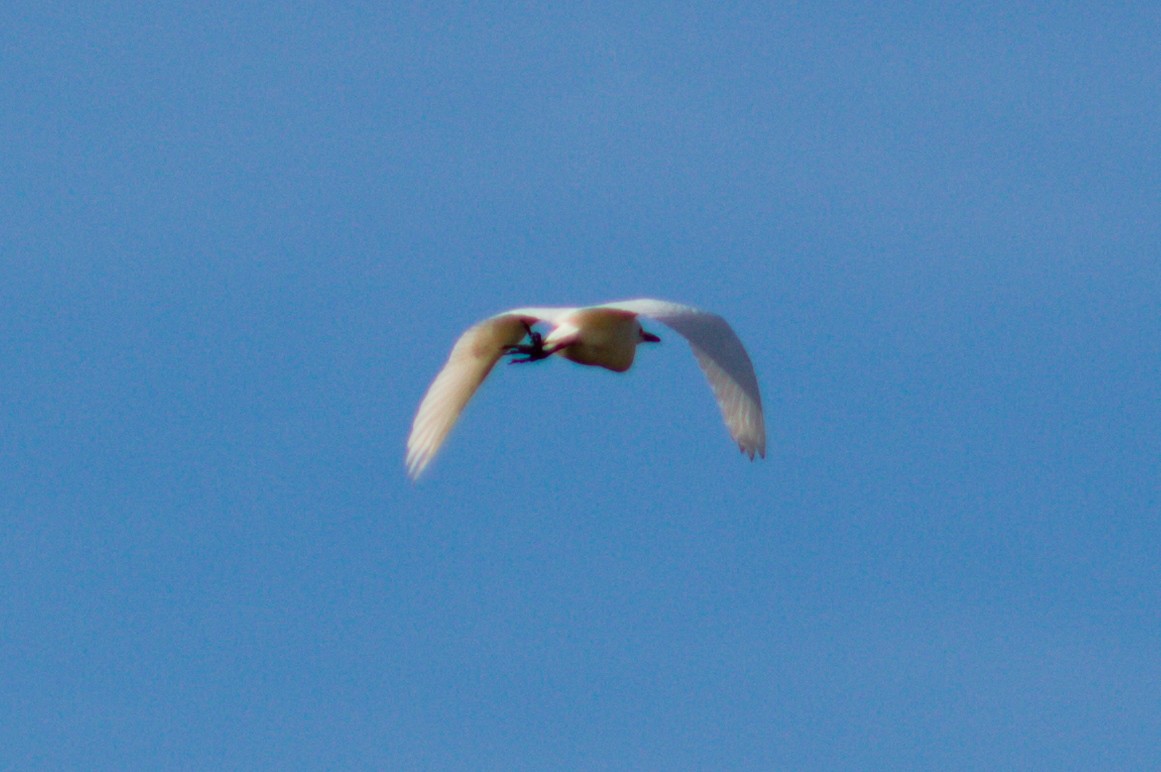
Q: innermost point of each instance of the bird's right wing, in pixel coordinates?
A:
(724, 361)
(472, 358)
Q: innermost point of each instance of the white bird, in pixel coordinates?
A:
(604, 336)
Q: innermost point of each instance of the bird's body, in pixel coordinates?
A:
(602, 336)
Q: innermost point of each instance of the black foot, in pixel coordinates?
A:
(532, 352)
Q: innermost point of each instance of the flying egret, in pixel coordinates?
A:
(603, 336)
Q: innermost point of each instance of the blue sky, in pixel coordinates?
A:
(239, 241)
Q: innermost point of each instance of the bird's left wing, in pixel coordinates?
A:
(472, 358)
(724, 361)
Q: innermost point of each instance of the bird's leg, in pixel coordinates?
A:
(532, 351)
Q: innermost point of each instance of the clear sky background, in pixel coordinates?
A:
(238, 241)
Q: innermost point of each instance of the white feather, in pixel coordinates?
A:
(724, 361)
(604, 336)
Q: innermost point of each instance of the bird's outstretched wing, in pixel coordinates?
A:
(724, 361)
(471, 359)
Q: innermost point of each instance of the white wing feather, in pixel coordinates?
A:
(720, 353)
(724, 361)
(470, 361)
